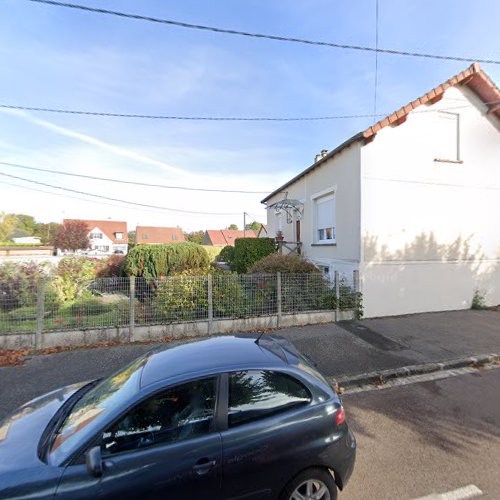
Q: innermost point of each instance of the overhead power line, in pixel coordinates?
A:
(136, 183)
(116, 199)
(209, 118)
(193, 118)
(279, 38)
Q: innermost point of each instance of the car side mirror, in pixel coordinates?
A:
(93, 461)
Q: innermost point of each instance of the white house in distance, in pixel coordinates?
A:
(412, 202)
(107, 237)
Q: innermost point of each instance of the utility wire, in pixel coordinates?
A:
(263, 36)
(375, 89)
(116, 199)
(170, 117)
(207, 118)
(120, 181)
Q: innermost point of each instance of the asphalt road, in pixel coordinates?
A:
(427, 438)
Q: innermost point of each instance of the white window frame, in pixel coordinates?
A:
(450, 115)
(119, 236)
(326, 195)
(96, 236)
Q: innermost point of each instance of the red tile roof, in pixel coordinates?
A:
(225, 237)
(473, 77)
(150, 234)
(108, 227)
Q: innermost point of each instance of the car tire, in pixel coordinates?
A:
(315, 479)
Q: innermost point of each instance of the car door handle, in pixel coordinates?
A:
(203, 466)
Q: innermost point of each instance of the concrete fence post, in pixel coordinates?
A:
(337, 295)
(278, 299)
(40, 312)
(131, 327)
(210, 303)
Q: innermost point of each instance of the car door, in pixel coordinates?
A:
(165, 447)
(268, 433)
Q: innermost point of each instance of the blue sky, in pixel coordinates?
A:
(57, 57)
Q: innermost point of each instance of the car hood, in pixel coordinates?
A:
(21, 431)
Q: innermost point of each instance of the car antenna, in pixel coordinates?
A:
(259, 337)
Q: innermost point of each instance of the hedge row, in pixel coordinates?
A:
(247, 251)
(153, 261)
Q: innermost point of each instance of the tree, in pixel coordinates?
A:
(195, 237)
(47, 232)
(131, 237)
(8, 224)
(72, 235)
(254, 226)
(233, 227)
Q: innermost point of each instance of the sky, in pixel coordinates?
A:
(62, 58)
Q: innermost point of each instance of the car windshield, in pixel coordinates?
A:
(94, 408)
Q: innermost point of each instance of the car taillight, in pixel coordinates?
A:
(340, 416)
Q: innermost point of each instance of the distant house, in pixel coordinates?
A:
(27, 240)
(262, 232)
(158, 235)
(225, 237)
(106, 236)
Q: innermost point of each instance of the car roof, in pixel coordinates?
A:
(212, 355)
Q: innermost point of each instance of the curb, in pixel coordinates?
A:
(382, 376)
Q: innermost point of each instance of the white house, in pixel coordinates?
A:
(107, 237)
(412, 202)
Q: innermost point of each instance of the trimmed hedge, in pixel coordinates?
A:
(226, 255)
(153, 261)
(247, 251)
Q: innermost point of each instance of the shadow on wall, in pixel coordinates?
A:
(427, 275)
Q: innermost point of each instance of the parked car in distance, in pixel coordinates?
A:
(222, 418)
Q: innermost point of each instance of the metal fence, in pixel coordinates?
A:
(113, 302)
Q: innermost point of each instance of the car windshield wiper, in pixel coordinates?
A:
(48, 435)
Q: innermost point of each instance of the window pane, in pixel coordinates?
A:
(258, 394)
(179, 413)
(321, 234)
(329, 233)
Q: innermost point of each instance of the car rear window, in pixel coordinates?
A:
(257, 394)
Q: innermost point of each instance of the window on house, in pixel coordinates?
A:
(174, 236)
(144, 236)
(119, 236)
(96, 236)
(102, 248)
(448, 136)
(325, 219)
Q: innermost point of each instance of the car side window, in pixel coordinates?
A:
(181, 412)
(256, 394)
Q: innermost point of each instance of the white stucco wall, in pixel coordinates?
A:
(340, 174)
(431, 230)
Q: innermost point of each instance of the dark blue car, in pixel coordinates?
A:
(223, 418)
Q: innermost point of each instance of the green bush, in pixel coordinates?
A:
(271, 264)
(226, 255)
(72, 278)
(213, 252)
(247, 251)
(154, 261)
(18, 282)
(185, 297)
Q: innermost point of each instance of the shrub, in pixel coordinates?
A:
(185, 296)
(18, 283)
(478, 301)
(153, 261)
(72, 278)
(271, 264)
(247, 251)
(226, 255)
(112, 267)
(213, 252)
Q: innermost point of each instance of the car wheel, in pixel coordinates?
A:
(311, 484)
